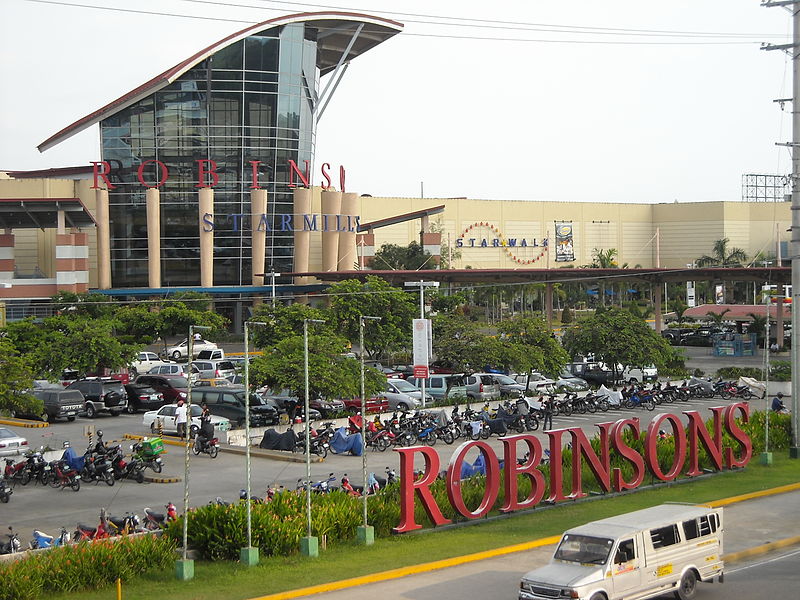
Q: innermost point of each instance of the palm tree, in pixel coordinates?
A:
(717, 317)
(758, 325)
(722, 256)
(604, 259)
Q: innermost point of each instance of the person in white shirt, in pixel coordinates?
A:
(180, 418)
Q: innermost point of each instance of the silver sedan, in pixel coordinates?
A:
(11, 443)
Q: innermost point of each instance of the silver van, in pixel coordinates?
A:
(643, 554)
(442, 385)
(482, 386)
(211, 369)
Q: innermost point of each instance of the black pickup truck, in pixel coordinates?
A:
(58, 403)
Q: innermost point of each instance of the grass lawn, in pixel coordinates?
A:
(233, 582)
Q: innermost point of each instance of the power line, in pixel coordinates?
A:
(522, 27)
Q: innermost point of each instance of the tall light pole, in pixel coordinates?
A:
(248, 555)
(309, 545)
(365, 533)
(184, 568)
(273, 275)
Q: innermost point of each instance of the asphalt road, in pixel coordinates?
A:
(747, 524)
(35, 507)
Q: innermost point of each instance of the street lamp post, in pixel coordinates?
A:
(184, 568)
(366, 533)
(309, 545)
(273, 275)
(248, 555)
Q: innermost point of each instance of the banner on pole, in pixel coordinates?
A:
(565, 250)
(420, 342)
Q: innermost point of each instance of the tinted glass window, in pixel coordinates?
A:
(177, 382)
(665, 536)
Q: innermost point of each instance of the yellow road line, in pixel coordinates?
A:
(770, 492)
(762, 549)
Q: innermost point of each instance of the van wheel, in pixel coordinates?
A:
(687, 589)
(90, 411)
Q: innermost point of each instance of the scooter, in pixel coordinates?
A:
(42, 540)
(17, 471)
(123, 525)
(5, 492)
(347, 487)
(155, 521)
(204, 446)
(13, 545)
(86, 533)
(62, 475)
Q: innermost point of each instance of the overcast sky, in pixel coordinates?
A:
(502, 109)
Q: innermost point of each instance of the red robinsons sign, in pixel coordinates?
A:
(611, 438)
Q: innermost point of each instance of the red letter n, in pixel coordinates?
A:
(697, 431)
(304, 177)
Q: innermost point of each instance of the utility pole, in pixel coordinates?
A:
(793, 49)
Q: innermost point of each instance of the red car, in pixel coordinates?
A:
(374, 405)
(172, 387)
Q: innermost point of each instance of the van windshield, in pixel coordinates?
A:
(584, 549)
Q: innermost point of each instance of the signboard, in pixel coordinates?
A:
(731, 450)
(420, 343)
(565, 250)
(691, 300)
(421, 371)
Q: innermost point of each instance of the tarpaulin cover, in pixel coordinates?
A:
(476, 468)
(343, 442)
(273, 440)
(73, 460)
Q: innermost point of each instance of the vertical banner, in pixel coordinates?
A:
(565, 251)
(691, 300)
(420, 345)
(719, 294)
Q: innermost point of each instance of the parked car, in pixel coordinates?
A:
(509, 386)
(146, 361)
(11, 443)
(286, 402)
(536, 382)
(639, 375)
(482, 387)
(216, 382)
(398, 400)
(229, 402)
(567, 382)
(101, 394)
(442, 385)
(697, 339)
(181, 350)
(165, 417)
(217, 354)
(214, 368)
(378, 404)
(594, 373)
(674, 334)
(58, 402)
(396, 387)
(172, 387)
(174, 369)
(142, 397)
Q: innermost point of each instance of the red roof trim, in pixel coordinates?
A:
(171, 74)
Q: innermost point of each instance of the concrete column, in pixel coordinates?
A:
(365, 244)
(347, 255)
(153, 200)
(206, 209)
(72, 262)
(103, 239)
(258, 207)
(432, 244)
(657, 291)
(302, 237)
(7, 255)
(548, 304)
(331, 206)
(779, 317)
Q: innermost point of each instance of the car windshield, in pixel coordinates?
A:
(404, 386)
(584, 549)
(505, 379)
(178, 382)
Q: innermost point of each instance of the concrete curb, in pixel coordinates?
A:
(164, 438)
(152, 479)
(762, 549)
(273, 454)
(24, 423)
(459, 560)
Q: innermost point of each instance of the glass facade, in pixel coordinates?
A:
(248, 101)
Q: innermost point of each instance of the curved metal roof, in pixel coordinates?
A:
(336, 31)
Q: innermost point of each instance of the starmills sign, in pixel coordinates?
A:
(688, 440)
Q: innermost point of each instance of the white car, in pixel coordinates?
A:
(146, 361)
(539, 384)
(165, 416)
(180, 351)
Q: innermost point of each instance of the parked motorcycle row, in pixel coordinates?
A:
(108, 526)
(100, 463)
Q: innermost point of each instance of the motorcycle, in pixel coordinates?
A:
(155, 521)
(42, 540)
(123, 525)
(205, 446)
(13, 545)
(134, 469)
(347, 487)
(38, 467)
(148, 453)
(97, 468)
(5, 492)
(62, 475)
(87, 533)
(16, 472)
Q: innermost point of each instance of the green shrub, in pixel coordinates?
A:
(84, 566)
(736, 372)
(780, 370)
(566, 316)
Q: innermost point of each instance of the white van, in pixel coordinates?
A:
(639, 555)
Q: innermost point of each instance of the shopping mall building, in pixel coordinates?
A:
(208, 181)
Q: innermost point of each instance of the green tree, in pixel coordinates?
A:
(461, 346)
(758, 325)
(679, 307)
(330, 375)
(138, 323)
(447, 303)
(402, 258)
(722, 256)
(604, 259)
(286, 321)
(175, 318)
(566, 316)
(616, 337)
(536, 348)
(376, 298)
(87, 304)
(15, 377)
(717, 317)
(86, 345)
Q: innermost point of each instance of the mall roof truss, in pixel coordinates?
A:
(42, 213)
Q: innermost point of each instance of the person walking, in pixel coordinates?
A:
(547, 413)
(180, 419)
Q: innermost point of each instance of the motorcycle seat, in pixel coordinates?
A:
(118, 522)
(156, 516)
(86, 528)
